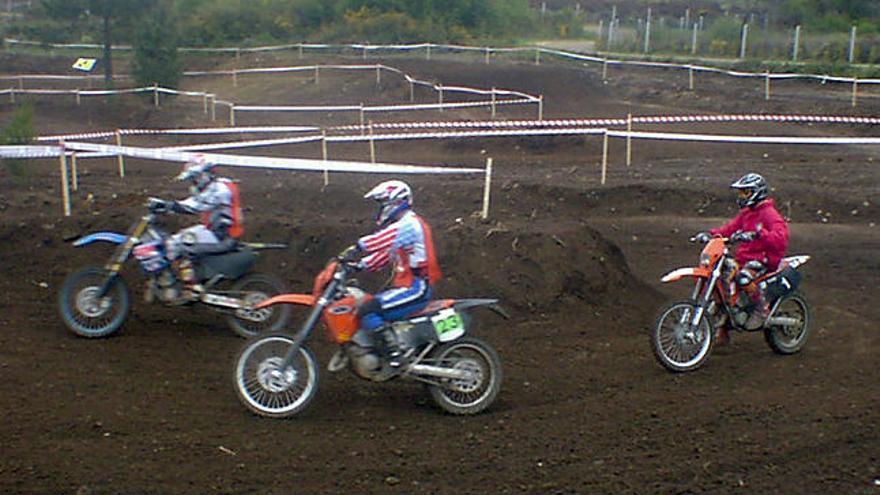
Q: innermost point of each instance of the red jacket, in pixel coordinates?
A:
(772, 241)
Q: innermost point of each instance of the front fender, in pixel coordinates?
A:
(301, 299)
(111, 237)
(680, 273)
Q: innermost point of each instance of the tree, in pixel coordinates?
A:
(108, 13)
(155, 51)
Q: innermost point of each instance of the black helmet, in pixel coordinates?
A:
(752, 189)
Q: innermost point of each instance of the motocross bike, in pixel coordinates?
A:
(684, 333)
(277, 375)
(94, 301)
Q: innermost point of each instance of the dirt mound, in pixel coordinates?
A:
(535, 269)
(526, 269)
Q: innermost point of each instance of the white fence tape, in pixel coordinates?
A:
(29, 151)
(267, 70)
(178, 153)
(270, 162)
(486, 50)
(191, 131)
(717, 138)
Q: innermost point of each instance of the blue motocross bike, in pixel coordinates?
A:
(94, 301)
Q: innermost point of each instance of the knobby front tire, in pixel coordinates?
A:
(87, 315)
(267, 390)
(676, 346)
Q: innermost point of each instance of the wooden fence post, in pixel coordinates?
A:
(74, 179)
(604, 156)
(372, 145)
(629, 128)
(119, 156)
(65, 192)
(324, 157)
(487, 189)
(493, 102)
(855, 91)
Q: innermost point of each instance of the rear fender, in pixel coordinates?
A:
(111, 237)
(680, 273)
(300, 299)
(796, 261)
(489, 303)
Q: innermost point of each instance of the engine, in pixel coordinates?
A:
(364, 361)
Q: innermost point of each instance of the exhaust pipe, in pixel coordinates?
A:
(783, 321)
(439, 372)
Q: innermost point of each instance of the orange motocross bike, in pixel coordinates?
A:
(684, 332)
(276, 375)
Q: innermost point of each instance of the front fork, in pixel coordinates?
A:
(115, 264)
(702, 295)
(310, 322)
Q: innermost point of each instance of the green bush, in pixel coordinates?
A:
(19, 131)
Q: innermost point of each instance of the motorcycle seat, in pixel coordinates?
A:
(433, 306)
(200, 250)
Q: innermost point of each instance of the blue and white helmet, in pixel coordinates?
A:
(751, 189)
(394, 197)
(199, 171)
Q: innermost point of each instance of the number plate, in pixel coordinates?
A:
(448, 325)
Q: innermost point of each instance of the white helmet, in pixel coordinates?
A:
(199, 171)
(393, 196)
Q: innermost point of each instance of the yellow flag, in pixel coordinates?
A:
(85, 64)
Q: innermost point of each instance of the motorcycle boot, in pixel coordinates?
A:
(192, 290)
(760, 313)
(388, 347)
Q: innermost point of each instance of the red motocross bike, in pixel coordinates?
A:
(276, 375)
(684, 332)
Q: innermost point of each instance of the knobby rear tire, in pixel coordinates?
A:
(471, 397)
(257, 287)
(786, 341)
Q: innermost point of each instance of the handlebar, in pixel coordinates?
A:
(733, 239)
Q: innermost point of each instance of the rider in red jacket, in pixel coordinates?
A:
(762, 234)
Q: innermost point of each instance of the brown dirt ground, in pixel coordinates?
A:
(584, 408)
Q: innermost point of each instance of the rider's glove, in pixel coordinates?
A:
(744, 236)
(350, 253)
(702, 237)
(176, 207)
(157, 205)
(352, 265)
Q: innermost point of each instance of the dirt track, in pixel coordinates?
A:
(584, 407)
